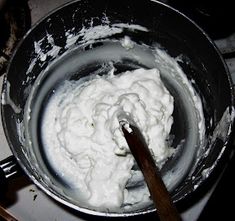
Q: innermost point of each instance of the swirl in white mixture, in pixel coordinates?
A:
(83, 138)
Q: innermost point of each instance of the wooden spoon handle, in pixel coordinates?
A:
(6, 215)
(159, 193)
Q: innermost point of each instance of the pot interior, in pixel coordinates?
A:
(80, 64)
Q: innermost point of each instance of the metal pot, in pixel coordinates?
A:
(59, 38)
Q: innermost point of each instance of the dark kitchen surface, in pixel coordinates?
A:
(15, 20)
(210, 15)
(220, 205)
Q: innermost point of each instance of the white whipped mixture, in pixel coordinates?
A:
(84, 141)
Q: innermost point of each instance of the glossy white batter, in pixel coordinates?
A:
(83, 138)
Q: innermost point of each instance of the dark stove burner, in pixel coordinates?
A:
(215, 17)
(15, 20)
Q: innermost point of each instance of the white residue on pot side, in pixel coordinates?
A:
(6, 99)
(86, 35)
(42, 53)
(91, 34)
(104, 30)
(224, 126)
(160, 57)
(222, 131)
(20, 131)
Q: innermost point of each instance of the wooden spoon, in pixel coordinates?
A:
(6, 215)
(159, 193)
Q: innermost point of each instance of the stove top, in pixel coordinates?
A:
(15, 20)
(26, 202)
